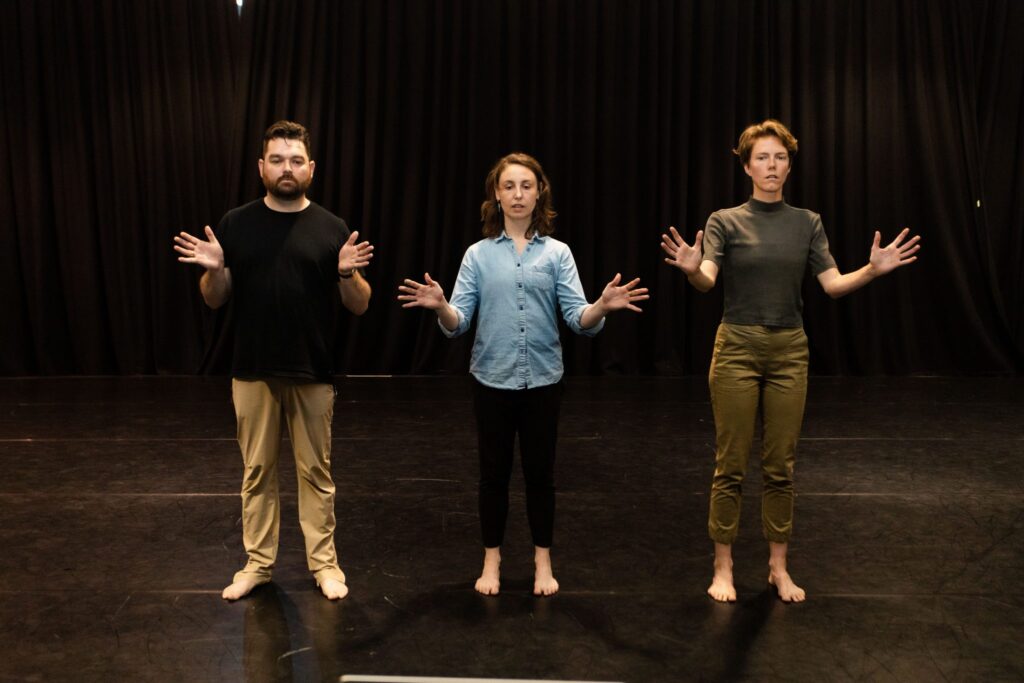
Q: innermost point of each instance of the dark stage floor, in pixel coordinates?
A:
(119, 516)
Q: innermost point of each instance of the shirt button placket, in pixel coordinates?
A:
(522, 359)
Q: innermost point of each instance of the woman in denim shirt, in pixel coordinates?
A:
(517, 279)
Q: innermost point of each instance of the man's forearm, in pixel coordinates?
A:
(215, 286)
(355, 293)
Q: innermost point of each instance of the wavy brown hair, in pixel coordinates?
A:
(766, 129)
(542, 221)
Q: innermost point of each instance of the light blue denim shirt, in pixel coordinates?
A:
(518, 295)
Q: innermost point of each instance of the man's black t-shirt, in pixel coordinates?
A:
(284, 274)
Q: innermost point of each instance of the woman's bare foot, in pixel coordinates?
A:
(489, 581)
(543, 580)
(788, 591)
(722, 588)
(780, 578)
(240, 588)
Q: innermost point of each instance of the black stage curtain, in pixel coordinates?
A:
(114, 127)
(126, 122)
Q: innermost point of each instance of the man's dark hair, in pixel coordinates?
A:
(288, 130)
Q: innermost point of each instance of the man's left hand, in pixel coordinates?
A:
(354, 255)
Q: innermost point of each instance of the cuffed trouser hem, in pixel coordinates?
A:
(724, 539)
(775, 537)
(252, 572)
(322, 575)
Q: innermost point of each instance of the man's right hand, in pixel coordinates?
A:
(209, 255)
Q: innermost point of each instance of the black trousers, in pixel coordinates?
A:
(500, 415)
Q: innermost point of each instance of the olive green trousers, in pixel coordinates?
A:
(756, 371)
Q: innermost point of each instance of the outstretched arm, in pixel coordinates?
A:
(882, 260)
(355, 290)
(700, 273)
(428, 295)
(613, 298)
(215, 285)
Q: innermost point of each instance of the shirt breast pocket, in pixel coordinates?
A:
(541, 277)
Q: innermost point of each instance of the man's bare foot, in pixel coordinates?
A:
(783, 582)
(543, 579)
(333, 589)
(240, 588)
(722, 588)
(489, 581)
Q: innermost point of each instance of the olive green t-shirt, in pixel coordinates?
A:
(762, 251)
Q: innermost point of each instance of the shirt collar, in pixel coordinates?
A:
(766, 207)
(504, 236)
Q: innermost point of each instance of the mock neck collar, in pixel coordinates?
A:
(766, 207)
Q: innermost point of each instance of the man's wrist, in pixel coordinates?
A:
(346, 274)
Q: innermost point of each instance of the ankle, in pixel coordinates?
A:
(492, 561)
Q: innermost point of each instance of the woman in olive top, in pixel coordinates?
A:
(760, 356)
(517, 279)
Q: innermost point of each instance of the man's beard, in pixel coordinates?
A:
(295, 191)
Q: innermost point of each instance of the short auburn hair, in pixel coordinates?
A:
(289, 130)
(765, 129)
(542, 221)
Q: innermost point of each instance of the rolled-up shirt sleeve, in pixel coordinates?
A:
(465, 295)
(571, 298)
